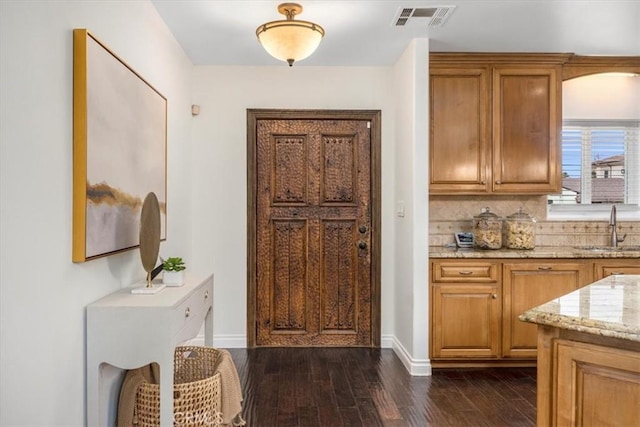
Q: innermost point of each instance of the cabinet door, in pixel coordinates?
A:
(459, 142)
(597, 386)
(465, 321)
(526, 129)
(526, 285)
(604, 268)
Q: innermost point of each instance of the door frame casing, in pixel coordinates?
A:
(374, 117)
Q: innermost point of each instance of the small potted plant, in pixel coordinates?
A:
(173, 271)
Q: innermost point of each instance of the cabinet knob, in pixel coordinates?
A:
(498, 182)
(545, 268)
(362, 245)
(494, 296)
(187, 312)
(465, 273)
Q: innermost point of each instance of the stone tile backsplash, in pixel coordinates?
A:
(548, 233)
(463, 207)
(448, 214)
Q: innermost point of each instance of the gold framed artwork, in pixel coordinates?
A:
(119, 150)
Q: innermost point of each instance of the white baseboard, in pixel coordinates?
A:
(386, 341)
(240, 341)
(230, 341)
(222, 341)
(416, 367)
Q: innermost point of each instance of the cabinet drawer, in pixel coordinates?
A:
(607, 267)
(465, 272)
(608, 271)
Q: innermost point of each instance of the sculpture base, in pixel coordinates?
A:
(144, 290)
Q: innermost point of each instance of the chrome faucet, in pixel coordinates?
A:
(613, 223)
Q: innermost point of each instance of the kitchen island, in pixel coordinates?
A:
(589, 355)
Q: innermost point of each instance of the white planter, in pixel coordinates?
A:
(173, 278)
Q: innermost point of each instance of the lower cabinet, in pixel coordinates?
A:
(468, 320)
(527, 284)
(475, 306)
(606, 267)
(465, 310)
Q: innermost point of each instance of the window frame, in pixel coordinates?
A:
(599, 211)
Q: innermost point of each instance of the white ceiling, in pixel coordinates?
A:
(360, 33)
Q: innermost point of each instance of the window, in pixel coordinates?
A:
(600, 163)
(600, 137)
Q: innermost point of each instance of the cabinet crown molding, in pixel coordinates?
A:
(579, 66)
(497, 58)
(572, 65)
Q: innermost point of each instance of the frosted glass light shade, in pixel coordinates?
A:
(290, 40)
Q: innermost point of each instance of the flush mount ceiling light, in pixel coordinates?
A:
(289, 40)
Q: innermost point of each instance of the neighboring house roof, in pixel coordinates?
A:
(572, 184)
(609, 161)
(603, 190)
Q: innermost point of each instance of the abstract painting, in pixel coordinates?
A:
(119, 150)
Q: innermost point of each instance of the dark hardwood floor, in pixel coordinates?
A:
(325, 387)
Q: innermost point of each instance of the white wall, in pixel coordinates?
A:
(219, 139)
(601, 96)
(410, 83)
(607, 96)
(42, 293)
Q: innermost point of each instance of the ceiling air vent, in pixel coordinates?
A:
(432, 17)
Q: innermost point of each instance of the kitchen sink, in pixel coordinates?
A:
(608, 248)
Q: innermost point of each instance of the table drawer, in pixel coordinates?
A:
(194, 308)
(465, 272)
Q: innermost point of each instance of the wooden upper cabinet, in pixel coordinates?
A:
(495, 123)
(460, 130)
(526, 129)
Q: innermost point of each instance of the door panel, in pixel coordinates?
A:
(289, 173)
(339, 265)
(313, 233)
(289, 277)
(339, 170)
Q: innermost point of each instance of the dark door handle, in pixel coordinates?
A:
(362, 245)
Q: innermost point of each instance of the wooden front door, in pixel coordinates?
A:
(315, 231)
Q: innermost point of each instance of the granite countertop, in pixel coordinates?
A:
(609, 307)
(538, 252)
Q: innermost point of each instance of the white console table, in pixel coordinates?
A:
(129, 331)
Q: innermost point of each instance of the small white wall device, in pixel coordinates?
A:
(464, 239)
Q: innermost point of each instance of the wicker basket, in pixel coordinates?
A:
(196, 391)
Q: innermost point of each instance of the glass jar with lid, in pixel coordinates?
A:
(520, 230)
(487, 230)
